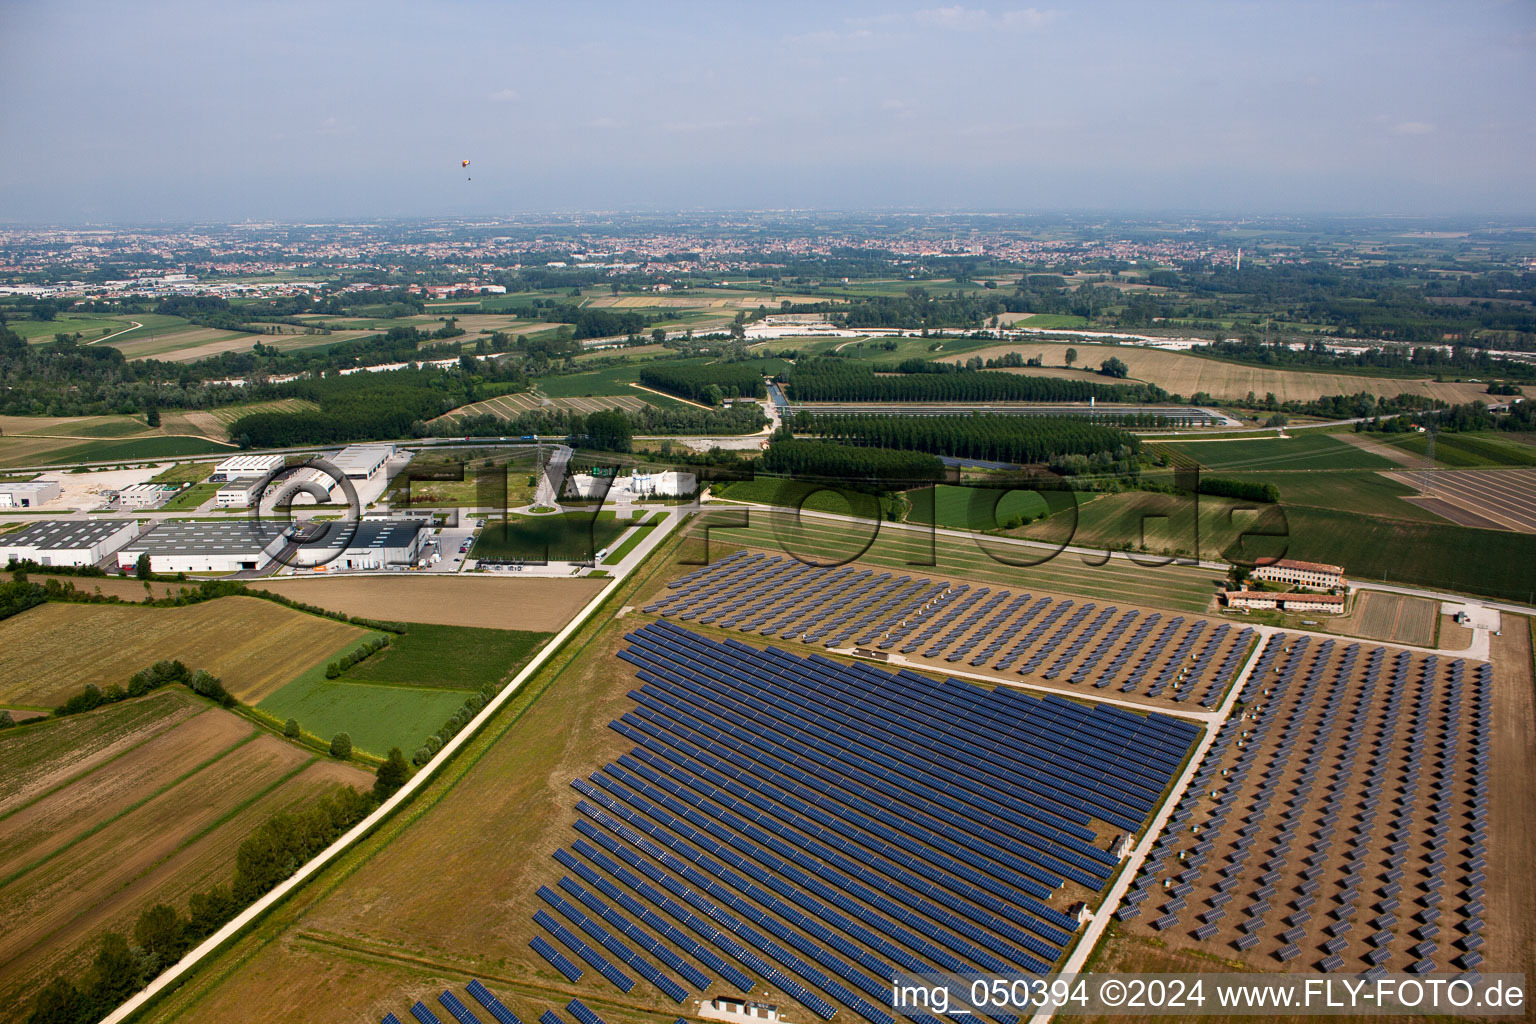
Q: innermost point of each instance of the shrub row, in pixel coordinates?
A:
(367, 649)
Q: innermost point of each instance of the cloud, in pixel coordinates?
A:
(503, 96)
(1413, 128)
(331, 126)
(959, 18)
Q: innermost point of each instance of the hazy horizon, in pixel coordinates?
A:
(167, 112)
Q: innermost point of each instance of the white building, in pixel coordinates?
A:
(362, 545)
(1316, 575)
(1327, 604)
(206, 547)
(145, 495)
(67, 542)
(362, 461)
(306, 487)
(28, 493)
(240, 492)
(636, 486)
(246, 467)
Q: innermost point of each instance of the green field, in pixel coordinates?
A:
(184, 473)
(977, 508)
(191, 498)
(105, 451)
(786, 492)
(639, 533)
(448, 657)
(1053, 321)
(88, 327)
(376, 717)
(564, 537)
(1303, 451)
(1365, 492)
(920, 553)
(1474, 450)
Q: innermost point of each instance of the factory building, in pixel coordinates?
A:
(240, 492)
(363, 545)
(634, 487)
(246, 467)
(28, 493)
(67, 542)
(206, 547)
(145, 495)
(362, 461)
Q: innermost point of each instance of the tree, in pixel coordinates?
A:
(659, 335)
(162, 932)
(391, 775)
(1237, 575)
(141, 568)
(291, 728)
(341, 746)
(1071, 357)
(1279, 419)
(6, 721)
(59, 1003)
(152, 418)
(609, 430)
(1113, 367)
(115, 975)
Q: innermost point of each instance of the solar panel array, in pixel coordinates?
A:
(1340, 820)
(819, 826)
(779, 597)
(457, 1009)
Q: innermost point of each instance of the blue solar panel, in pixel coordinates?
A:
(424, 1015)
(492, 1005)
(456, 1008)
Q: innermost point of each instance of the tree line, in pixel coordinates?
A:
(999, 438)
(849, 464)
(710, 383)
(842, 380)
(1461, 360)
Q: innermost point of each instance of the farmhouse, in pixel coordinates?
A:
(1302, 574)
(206, 547)
(246, 467)
(28, 493)
(66, 542)
(1326, 604)
(363, 545)
(362, 461)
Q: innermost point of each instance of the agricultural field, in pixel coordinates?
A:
(449, 657)
(1364, 492)
(376, 717)
(535, 604)
(512, 406)
(787, 492)
(1502, 499)
(88, 326)
(215, 422)
(1310, 450)
(1472, 450)
(37, 448)
(135, 803)
(50, 652)
(1394, 618)
(557, 537)
(976, 508)
(1182, 374)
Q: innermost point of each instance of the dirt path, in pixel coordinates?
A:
(675, 398)
(1512, 819)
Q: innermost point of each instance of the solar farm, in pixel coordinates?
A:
(1006, 634)
(773, 827)
(1340, 820)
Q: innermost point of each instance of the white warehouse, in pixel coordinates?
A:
(206, 547)
(239, 492)
(67, 542)
(377, 544)
(362, 461)
(246, 467)
(28, 493)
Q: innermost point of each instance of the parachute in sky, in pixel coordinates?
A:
(463, 164)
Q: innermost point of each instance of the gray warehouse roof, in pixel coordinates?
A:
(185, 538)
(389, 533)
(64, 534)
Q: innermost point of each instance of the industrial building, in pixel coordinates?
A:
(636, 486)
(145, 495)
(67, 542)
(1316, 575)
(362, 461)
(28, 493)
(240, 492)
(246, 467)
(363, 545)
(304, 486)
(206, 547)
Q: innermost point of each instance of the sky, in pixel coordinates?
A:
(152, 112)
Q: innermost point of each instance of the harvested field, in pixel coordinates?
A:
(110, 834)
(52, 651)
(1501, 498)
(510, 406)
(1184, 374)
(495, 602)
(1395, 618)
(1305, 451)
